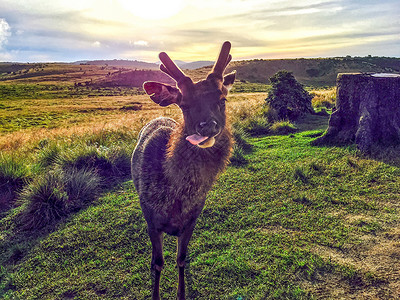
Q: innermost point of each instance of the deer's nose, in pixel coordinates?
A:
(209, 128)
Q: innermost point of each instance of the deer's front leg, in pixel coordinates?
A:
(183, 242)
(157, 261)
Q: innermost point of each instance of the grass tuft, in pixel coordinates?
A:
(283, 127)
(256, 126)
(108, 161)
(237, 158)
(81, 186)
(6, 283)
(44, 200)
(56, 194)
(13, 175)
(300, 174)
(48, 155)
(240, 137)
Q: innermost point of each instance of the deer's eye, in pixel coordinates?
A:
(222, 102)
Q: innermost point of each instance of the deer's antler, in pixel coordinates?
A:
(170, 68)
(223, 59)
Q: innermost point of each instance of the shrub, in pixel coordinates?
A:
(288, 97)
(269, 113)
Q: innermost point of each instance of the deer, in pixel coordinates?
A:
(174, 165)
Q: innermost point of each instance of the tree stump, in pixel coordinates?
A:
(367, 111)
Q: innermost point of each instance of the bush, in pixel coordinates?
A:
(269, 113)
(288, 97)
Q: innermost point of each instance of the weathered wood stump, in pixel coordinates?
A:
(367, 111)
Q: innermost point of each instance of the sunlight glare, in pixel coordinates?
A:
(153, 9)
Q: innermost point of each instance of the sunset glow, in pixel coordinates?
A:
(189, 30)
(153, 9)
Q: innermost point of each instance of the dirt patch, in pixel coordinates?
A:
(376, 257)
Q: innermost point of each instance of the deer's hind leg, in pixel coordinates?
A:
(157, 260)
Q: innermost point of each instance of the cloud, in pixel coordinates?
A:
(5, 32)
(139, 43)
(102, 29)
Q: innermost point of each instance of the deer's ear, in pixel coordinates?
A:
(229, 79)
(162, 94)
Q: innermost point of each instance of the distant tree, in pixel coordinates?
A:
(288, 97)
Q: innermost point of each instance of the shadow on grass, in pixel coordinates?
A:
(318, 124)
(387, 154)
(311, 122)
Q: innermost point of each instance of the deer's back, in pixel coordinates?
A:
(149, 154)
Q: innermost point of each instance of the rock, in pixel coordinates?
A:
(367, 111)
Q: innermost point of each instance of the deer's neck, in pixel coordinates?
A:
(187, 164)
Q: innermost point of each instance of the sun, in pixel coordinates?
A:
(153, 9)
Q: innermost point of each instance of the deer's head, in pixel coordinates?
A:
(202, 103)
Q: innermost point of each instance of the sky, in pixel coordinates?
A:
(188, 30)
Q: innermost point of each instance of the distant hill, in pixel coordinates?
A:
(135, 64)
(313, 71)
(133, 78)
(196, 65)
(131, 64)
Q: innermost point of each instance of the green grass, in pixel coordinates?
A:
(52, 91)
(243, 86)
(255, 239)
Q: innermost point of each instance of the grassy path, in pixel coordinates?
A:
(295, 222)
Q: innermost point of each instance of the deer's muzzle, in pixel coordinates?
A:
(209, 128)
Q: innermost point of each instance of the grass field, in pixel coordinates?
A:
(290, 221)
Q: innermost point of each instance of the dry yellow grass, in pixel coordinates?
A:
(93, 115)
(324, 98)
